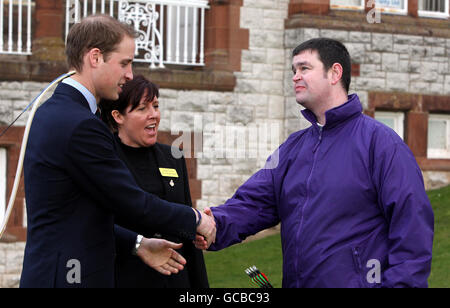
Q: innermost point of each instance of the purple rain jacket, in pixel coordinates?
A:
(351, 201)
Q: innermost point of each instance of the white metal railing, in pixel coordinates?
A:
(170, 31)
(13, 30)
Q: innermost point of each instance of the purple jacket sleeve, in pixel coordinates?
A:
(409, 215)
(252, 209)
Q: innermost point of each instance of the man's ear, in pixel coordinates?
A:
(336, 72)
(94, 56)
(117, 116)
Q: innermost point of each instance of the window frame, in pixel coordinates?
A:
(439, 153)
(349, 7)
(362, 7)
(3, 181)
(392, 11)
(432, 14)
(399, 121)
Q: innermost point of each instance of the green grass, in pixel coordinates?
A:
(226, 267)
(440, 268)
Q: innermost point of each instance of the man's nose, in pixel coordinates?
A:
(297, 76)
(129, 74)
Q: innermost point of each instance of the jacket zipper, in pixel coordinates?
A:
(308, 182)
(320, 139)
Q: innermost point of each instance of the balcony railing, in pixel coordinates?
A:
(15, 26)
(170, 31)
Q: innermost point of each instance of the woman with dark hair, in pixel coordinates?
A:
(134, 118)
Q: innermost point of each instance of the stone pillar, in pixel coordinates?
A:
(417, 133)
(413, 7)
(48, 43)
(224, 39)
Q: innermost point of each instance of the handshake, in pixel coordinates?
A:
(206, 230)
(161, 255)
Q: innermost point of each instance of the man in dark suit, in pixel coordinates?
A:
(75, 184)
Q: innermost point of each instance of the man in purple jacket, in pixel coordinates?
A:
(348, 191)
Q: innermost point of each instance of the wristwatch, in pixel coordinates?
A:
(137, 245)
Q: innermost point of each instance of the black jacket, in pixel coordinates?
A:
(131, 271)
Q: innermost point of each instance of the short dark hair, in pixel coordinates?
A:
(131, 95)
(96, 31)
(330, 52)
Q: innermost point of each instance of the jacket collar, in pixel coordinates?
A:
(90, 98)
(75, 95)
(338, 114)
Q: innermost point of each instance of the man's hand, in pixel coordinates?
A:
(202, 242)
(160, 255)
(207, 228)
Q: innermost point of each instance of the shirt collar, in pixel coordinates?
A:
(338, 114)
(86, 93)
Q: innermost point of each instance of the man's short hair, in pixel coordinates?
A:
(96, 31)
(330, 52)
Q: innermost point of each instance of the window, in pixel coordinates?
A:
(385, 6)
(347, 4)
(15, 26)
(393, 6)
(439, 136)
(394, 120)
(434, 8)
(2, 183)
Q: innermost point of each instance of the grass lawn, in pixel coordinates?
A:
(440, 269)
(226, 267)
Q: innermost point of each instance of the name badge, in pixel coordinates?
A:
(167, 172)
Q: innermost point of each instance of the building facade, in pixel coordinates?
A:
(224, 68)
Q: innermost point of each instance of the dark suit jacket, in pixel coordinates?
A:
(75, 186)
(131, 271)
